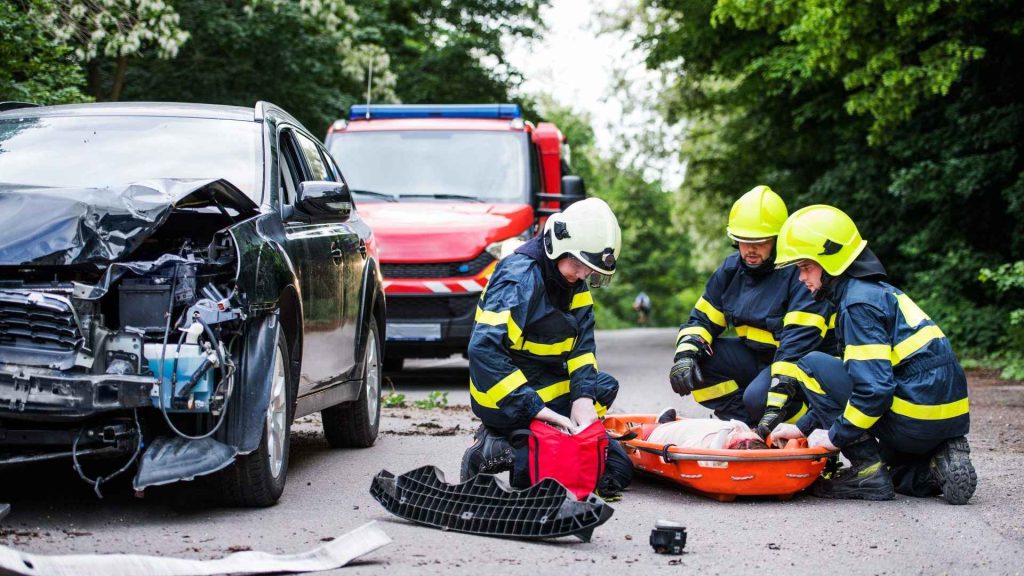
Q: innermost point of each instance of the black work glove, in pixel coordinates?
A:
(685, 374)
(775, 413)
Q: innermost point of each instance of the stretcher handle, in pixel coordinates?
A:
(676, 457)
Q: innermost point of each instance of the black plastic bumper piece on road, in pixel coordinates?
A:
(487, 506)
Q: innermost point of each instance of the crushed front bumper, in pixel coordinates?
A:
(41, 394)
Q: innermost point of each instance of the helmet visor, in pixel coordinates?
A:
(598, 280)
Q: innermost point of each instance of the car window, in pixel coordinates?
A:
(317, 170)
(291, 170)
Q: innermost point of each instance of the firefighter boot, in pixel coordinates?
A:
(952, 469)
(489, 454)
(867, 478)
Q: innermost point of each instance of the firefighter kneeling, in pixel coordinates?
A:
(531, 353)
(896, 403)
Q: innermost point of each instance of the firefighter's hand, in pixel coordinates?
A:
(583, 412)
(820, 438)
(557, 420)
(685, 375)
(785, 432)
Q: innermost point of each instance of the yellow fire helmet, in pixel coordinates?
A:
(821, 233)
(756, 216)
(589, 232)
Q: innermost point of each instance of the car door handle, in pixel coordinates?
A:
(337, 254)
(362, 247)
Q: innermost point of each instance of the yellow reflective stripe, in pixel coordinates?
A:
(601, 410)
(858, 418)
(497, 393)
(919, 340)
(757, 335)
(930, 411)
(491, 318)
(832, 321)
(549, 393)
(801, 412)
(578, 362)
(582, 299)
(911, 312)
(716, 391)
(867, 352)
(684, 347)
(695, 330)
(794, 371)
(710, 311)
(797, 318)
(539, 349)
(776, 400)
(497, 319)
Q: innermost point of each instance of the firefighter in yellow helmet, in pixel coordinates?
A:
(896, 403)
(776, 321)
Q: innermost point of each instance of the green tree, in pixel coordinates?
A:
(908, 115)
(32, 68)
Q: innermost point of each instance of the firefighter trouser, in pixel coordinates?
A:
(908, 458)
(736, 381)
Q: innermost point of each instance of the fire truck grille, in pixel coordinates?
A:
(39, 320)
(431, 307)
(440, 270)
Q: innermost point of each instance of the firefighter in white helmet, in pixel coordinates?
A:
(532, 353)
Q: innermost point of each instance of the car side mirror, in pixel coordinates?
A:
(573, 190)
(323, 200)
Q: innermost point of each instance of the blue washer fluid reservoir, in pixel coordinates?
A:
(189, 360)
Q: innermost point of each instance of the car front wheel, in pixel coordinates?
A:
(257, 479)
(355, 424)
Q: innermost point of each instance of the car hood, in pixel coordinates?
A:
(412, 232)
(63, 226)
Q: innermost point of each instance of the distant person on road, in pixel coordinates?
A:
(532, 352)
(896, 403)
(776, 321)
(642, 305)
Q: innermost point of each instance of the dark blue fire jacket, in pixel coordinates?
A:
(772, 311)
(901, 365)
(532, 346)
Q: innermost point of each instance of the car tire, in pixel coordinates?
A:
(355, 424)
(257, 479)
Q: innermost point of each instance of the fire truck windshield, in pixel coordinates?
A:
(434, 165)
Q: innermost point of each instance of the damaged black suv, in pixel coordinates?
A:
(178, 282)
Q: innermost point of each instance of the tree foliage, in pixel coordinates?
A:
(908, 115)
(32, 68)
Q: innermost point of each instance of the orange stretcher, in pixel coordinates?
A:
(720, 474)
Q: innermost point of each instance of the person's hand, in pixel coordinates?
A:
(685, 374)
(557, 420)
(820, 438)
(785, 432)
(583, 412)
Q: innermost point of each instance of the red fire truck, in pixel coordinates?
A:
(448, 190)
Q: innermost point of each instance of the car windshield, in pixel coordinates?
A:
(97, 151)
(435, 165)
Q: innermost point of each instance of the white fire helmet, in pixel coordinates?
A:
(589, 232)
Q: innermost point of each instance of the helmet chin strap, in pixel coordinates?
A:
(827, 283)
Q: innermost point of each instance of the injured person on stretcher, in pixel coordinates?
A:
(702, 433)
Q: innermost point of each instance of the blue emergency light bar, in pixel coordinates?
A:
(381, 111)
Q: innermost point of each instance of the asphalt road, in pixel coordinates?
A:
(327, 495)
